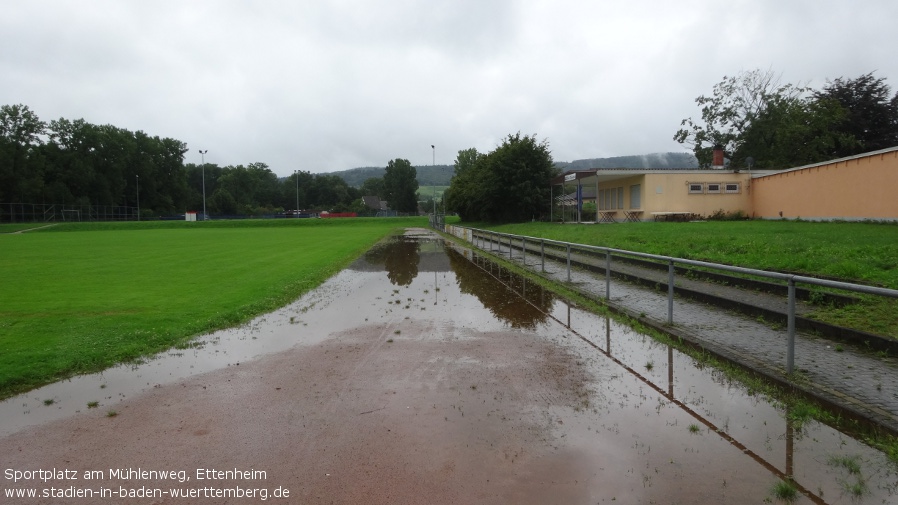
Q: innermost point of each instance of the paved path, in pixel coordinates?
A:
(860, 381)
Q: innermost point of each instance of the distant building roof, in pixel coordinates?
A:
(374, 202)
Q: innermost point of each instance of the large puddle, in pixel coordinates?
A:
(662, 420)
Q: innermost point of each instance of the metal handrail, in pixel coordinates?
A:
(790, 279)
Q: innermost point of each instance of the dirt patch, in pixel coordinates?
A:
(438, 415)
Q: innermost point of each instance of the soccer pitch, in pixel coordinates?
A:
(80, 298)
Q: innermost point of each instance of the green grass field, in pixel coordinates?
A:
(14, 227)
(854, 252)
(77, 298)
(864, 252)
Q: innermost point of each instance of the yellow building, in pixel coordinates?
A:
(644, 194)
(859, 187)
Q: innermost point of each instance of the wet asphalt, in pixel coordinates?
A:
(861, 382)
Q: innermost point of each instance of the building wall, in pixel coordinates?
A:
(859, 188)
(660, 192)
(671, 193)
(624, 183)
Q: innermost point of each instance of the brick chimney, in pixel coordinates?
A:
(717, 158)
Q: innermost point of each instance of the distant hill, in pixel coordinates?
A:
(440, 175)
(656, 160)
(430, 175)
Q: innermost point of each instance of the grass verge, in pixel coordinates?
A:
(860, 252)
(77, 298)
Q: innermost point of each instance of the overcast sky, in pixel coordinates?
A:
(330, 85)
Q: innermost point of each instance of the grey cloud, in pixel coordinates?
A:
(331, 85)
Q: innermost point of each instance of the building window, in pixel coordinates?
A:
(620, 197)
(695, 188)
(732, 187)
(635, 196)
(713, 187)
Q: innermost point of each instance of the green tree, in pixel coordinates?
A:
(21, 174)
(871, 119)
(464, 194)
(374, 186)
(509, 184)
(160, 164)
(791, 131)
(72, 155)
(465, 160)
(327, 192)
(401, 186)
(255, 188)
(735, 103)
(297, 187)
(82, 163)
(198, 176)
(116, 161)
(222, 202)
(517, 182)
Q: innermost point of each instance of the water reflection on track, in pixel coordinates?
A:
(710, 398)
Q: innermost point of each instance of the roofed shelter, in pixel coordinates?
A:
(644, 194)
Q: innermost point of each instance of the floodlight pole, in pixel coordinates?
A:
(296, 175)
(433, 164)
(203, 158)
(138, 195)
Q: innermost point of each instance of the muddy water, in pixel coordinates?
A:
(520, 397)
(643, 379)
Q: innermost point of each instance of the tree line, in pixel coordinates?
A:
(763, 123)
(73, 162)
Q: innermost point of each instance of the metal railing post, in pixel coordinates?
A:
(524, 251)
(670, 291)
(607, 274)
(542, 253)
(569, 262)
(790, 353)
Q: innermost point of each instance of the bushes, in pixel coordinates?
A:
(722, 215)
